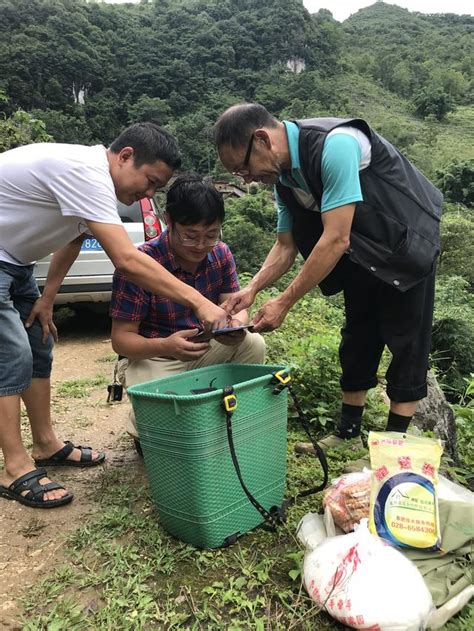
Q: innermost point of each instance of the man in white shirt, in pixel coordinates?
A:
(51, 197)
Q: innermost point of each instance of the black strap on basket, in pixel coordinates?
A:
(276, 514)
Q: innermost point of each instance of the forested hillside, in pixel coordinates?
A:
(88, 69)
(410, 53)
(79, 71)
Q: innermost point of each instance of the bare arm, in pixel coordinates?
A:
(142, 270)
(326, 253)
(334, 241)
(127, 341)
(60, 265)
(58, 268)
(279, 260)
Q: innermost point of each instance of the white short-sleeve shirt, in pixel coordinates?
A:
(47, 191)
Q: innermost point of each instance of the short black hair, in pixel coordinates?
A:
(191, 200)
(150, 143)
(235, 126)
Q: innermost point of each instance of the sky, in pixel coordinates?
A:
(342, 9)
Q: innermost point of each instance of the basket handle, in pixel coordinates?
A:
(282, 380)
(275, 515)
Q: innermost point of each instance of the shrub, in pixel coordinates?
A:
(432, 100)
(456, 180)
(308, 341)
(21, 129)
(453, 334)
(249, 229)
(457, 246)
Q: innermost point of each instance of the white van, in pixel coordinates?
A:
(89, 281)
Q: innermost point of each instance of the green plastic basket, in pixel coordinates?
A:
(183, 436)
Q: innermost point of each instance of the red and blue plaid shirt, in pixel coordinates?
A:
(158, 316)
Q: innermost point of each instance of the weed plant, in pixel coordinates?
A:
(80, 388)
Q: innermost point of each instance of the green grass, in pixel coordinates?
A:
(125, 572)
(464, 622)
(109, 358)
(79, 388)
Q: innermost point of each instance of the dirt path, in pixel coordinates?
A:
(32, 540)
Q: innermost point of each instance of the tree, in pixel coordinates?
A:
(456, 180)
(432, 100)
(21, 129)
(194, 132)
(249, 243)
(106, 115)
(258, 208)
(249, 229)
(457, 246)
(148, 108)
(70, 126)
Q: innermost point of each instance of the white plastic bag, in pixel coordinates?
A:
(365, 583)
(444, 613)
(311, 530)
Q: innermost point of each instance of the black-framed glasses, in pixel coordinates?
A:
(191, 242)
(244, 168)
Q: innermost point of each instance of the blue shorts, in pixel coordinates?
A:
(23, 355)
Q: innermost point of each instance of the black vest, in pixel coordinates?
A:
(395, 231)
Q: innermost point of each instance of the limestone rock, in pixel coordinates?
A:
(434, 413)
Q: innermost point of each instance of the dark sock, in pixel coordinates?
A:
(397, 422)
(351, 420)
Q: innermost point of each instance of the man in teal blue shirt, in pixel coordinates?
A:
(367, 223)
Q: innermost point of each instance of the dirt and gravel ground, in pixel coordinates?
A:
(32, 540)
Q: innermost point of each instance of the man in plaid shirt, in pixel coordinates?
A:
(155, 334)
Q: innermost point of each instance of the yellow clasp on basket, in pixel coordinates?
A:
(230, 403)
(283, 376)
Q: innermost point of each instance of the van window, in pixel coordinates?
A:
(130, 214)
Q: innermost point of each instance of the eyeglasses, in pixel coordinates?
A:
(244, 168)
(192, 242)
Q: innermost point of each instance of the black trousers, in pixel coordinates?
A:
(378, 315)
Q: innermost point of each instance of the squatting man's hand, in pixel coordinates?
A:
(235, 337)
(180, 346)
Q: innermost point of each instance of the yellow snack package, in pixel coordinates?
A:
(403, 494)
